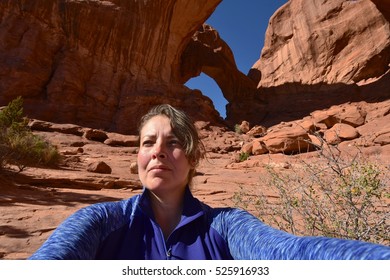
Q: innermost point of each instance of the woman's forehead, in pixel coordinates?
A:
(159, 124)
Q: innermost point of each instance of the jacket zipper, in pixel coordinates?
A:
(169, 253)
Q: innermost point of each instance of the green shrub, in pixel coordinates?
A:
(18, 145)
(333, 197)
(12, 114)
(237, 129)
(243, 156)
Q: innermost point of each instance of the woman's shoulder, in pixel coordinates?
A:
(223, 211)
(109, 209)
(217, 215)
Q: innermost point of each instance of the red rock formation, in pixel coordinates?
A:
(322, 53)
(33, 203)
(360, 124)
(99, 63)
(102, 64)
(209, 54)
(313, 58)
(325, 42)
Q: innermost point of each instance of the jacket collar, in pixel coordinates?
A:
(192, 208)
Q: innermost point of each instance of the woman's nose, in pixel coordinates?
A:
(159, 151)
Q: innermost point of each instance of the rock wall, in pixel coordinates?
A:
(312, 42)
(99, 63)
(102, 64)
(317, 54)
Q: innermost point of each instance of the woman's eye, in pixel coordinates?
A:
(175, 142)
(147, 143)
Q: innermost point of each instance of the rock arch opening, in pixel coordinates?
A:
(209, 88)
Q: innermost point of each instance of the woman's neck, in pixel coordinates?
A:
(167, 211)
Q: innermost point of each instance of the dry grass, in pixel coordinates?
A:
(334, 197)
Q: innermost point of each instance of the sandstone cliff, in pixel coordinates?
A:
(311, 42)
(99, 63)
(102, 64)
(318, 54)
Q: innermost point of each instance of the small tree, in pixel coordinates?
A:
(18, 145)
(12, 114)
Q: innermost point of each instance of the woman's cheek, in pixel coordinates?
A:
(143, 159)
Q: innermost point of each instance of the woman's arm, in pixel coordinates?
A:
(81, 235)
(78, 237)
(249, 238)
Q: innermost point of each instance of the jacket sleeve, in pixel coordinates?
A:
(76, 238)
(79, 237)
(249, 238)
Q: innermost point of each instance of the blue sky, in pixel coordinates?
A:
(242, 25)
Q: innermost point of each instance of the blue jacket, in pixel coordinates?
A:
(127, 230)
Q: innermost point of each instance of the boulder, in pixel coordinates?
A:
(340, 132)
(247, 148)
(376, 131)
(287, 139)
(116, 139)
(244, 127)
(99, 167)
(257, 131)
(134, 168)
(259, 148)
(351, 115)
(95, 135)
(53, 127)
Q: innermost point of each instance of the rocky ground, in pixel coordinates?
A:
(35, 201)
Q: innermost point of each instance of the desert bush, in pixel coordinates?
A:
(18, 145)
(243, 156)
(11, 116)
(237, 129)
(333, 197)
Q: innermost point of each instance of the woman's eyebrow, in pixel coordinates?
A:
(148, 136)
(171, 135)
(152, 135)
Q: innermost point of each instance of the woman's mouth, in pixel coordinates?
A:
(160, 168)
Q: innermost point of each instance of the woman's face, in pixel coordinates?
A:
(162, 163)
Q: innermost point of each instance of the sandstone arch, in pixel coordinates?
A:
(210, 54)
(99, 63)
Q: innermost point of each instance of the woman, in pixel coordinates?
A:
(167, 222)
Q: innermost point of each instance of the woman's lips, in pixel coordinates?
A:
(160, 168)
